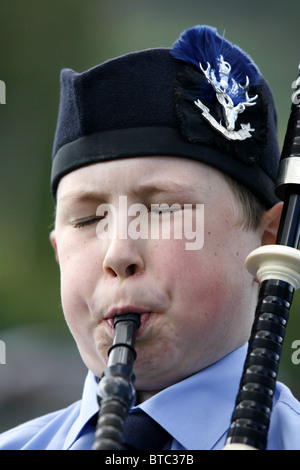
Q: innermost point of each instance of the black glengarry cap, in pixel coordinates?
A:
(203, 99)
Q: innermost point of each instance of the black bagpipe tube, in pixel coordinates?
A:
(116, 391)
(278, 270)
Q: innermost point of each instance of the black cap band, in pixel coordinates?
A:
(155, 141)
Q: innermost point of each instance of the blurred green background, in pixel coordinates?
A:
(37, 39)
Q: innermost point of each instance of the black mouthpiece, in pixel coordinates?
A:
(130, 316)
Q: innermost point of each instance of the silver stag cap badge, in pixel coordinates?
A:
(226, 90)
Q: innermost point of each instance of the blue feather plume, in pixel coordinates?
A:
(203, 45)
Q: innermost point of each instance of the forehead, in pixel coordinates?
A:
(138, 174)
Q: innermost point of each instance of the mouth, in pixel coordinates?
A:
(143, 313)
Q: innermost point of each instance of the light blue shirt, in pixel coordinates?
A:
(196, 412)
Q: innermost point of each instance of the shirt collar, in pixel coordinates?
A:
(207, 398)
(89, 407)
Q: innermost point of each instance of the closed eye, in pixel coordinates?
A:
(86, 221)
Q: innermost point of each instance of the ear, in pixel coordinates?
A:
(54, 244)
(270, 224)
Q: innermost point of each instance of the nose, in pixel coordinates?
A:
(123, 258)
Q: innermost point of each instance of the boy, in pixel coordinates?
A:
(168, 132)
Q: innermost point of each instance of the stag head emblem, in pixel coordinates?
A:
(226, 90)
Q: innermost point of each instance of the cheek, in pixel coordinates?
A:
(78, 261)
(195, 283)
(205, 284)
(77, 268)
(77, 284)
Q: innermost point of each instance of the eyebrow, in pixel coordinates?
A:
(143, 190)
(162, 187)
(84, 195)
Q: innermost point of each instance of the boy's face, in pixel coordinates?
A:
(196, 305)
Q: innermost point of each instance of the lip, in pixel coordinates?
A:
(143, 312)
